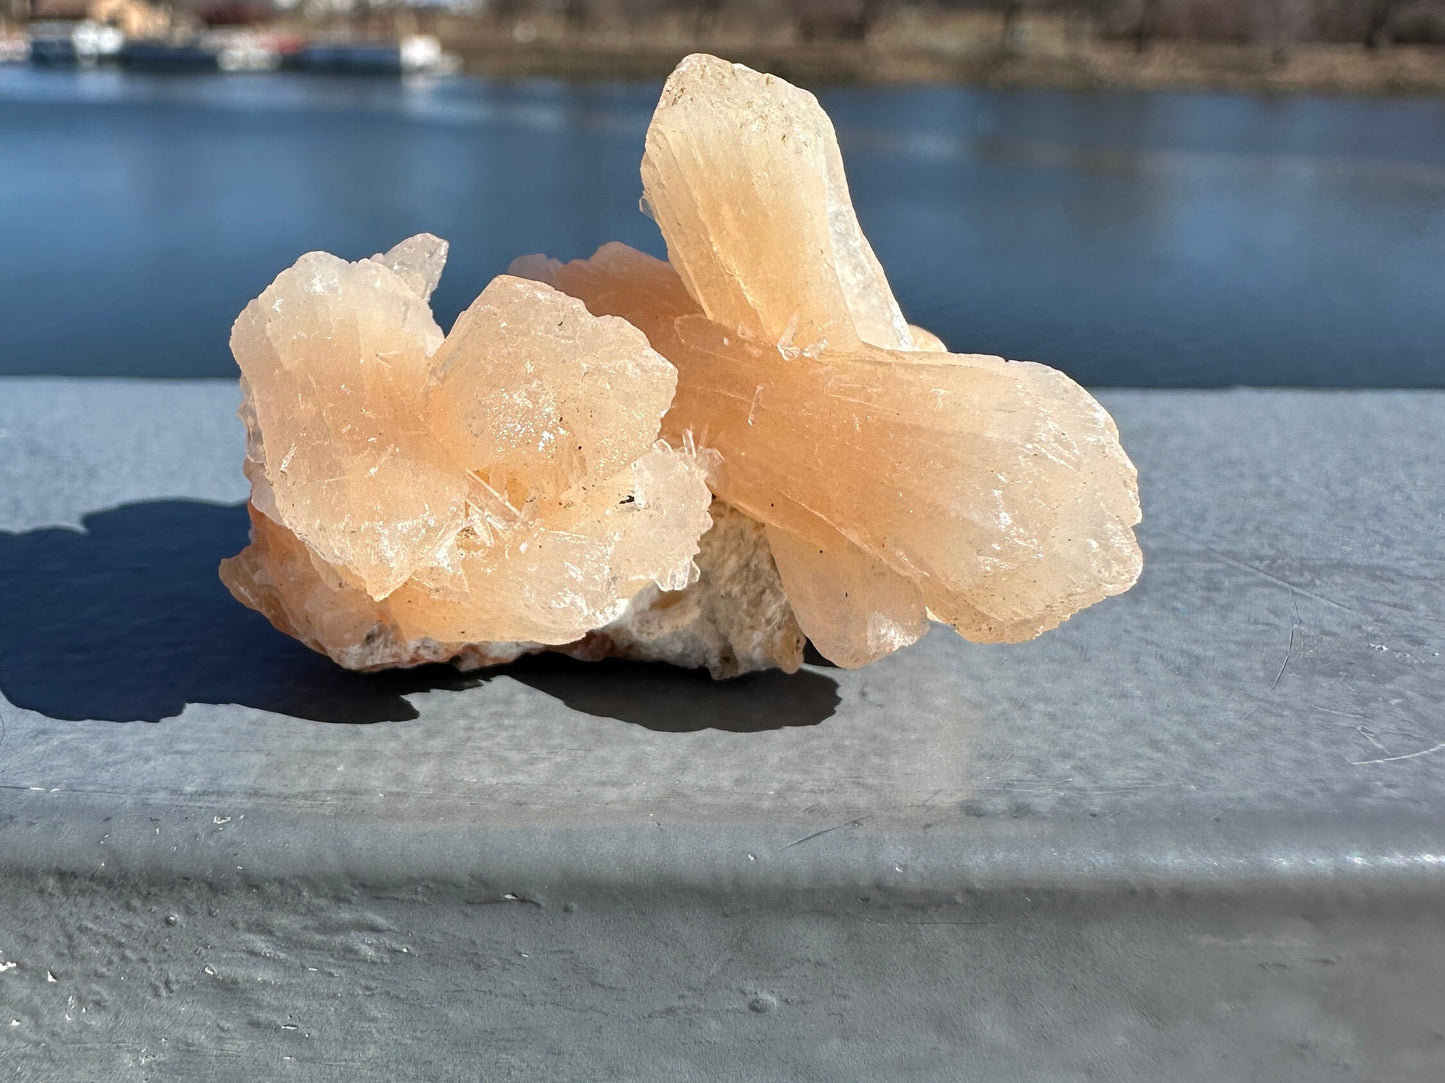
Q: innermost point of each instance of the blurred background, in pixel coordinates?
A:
(1141, 192)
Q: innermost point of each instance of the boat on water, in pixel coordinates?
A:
(80, 44)
(218, 50)
(232, 50)
(169, 56)
(49, 50)
(418, 53)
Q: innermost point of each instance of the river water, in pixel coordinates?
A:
(1145, 239)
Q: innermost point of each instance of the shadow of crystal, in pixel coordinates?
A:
(672, 700)
(127, 621)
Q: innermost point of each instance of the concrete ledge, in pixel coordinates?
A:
(1194, 833)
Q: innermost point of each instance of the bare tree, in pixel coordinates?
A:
(1008, 35)
(1382, 14)
(1287, 22)
(1144, 31)
(839, 20)
(504, 11)
(705, 16)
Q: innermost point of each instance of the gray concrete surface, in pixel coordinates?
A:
(1196, 833)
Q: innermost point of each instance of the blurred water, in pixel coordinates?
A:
(1129, 238)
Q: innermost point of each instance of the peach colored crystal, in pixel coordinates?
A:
(897, 482)
(414, 495)
(503, 489)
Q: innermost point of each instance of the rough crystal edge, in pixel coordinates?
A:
(734, 619)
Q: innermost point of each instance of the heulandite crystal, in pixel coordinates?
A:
(502, 489)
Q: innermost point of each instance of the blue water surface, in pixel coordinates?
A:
(1145, 239)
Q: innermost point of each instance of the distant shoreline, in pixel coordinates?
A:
(1315, 69)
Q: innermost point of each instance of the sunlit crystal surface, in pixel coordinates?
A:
(503, 488)
(898, 482)
(413, 494)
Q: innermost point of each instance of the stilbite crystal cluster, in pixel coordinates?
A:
(502, 489)
(898, 482)
(414, 496)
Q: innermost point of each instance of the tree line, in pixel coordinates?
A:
(1374, 23)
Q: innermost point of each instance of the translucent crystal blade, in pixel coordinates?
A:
(744, 178)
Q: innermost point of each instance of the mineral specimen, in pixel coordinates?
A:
(417, 498)
(898, 482)
(502, 489)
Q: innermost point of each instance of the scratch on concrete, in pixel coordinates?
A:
(825, 831)
(1291, 587)
(1289, 650)
(1406, 756)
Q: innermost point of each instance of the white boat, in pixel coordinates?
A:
(85, 43)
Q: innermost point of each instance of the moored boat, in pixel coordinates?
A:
(417, 53)
(170, 56)
(62, 44)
